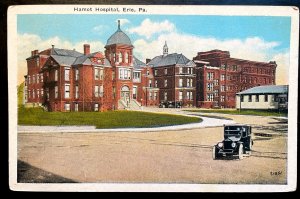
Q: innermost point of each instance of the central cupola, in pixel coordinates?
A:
(119, 37)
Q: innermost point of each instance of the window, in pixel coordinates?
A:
(42, 92)
(155, 72)
(191, 82)
(124, 73)
(165, 96)
(29, 79)
(96, 91)
(156, 83)
(257, 98)
(216, 93)
(33, 79)
(242, 98)
(67, 107)
(188, 82)
(76, 107)
(76, 91)
(210, 86)
(37, 78)
(29, 94)
(166, 71)
(223, 67)
(114, 92)
(96, 107)
(67, 90)
(137, 76)
(222, 88)
(222, 77)
(127, 57)
(150, 83)
(56, 92)
(120, 57)
(148, 72)
(190, 95)
(189, 70)
(150, 95)
(216, 81)
(180, 82)
(67, 74)
(56, 75)
(33, 93)
(114, 57)
(180, 95)
(210, 97)
(210, 76)
(266, 98)
(101, 91)
(234, 67)
(42, 78)
(76, 74)
(38, 93)
(166, 82)
(180, 70)
(155, 95)
(97, 75)
(222, 98)
(250, 98)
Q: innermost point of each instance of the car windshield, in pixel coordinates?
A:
(233, 130)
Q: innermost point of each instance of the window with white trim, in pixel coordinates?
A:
(76, 91)
(96, 107)
(222, 98)
(210, 86)
(97, 73)
(165, 96)
(180, 82)
(42, 92)
(188, 82)
(150, 82)
(222, 88)
(156, 83)
(67, 107)
(38, 93)
(124, 73)
(155, 72)
(56, 92)
(33, 79)
(166, 71)
(180, 95)
(166, 82)
(127, 57)
(56, 75)
(76, 74)
(210, 76)
(210, 97)
(120, 57)
(180, 70)
(222, 77)
(67, 74)
(101, 91)
(150, 95)
(155, 95)
(96, 91)
(42, 78)
(76, 107)
(67, 90)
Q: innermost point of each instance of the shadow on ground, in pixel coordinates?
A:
(30, 174)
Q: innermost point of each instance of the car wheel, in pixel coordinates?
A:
(215, 153)
(241, 151)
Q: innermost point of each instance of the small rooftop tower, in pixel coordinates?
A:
(165, 49)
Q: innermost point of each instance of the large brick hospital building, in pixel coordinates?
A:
(67, 80)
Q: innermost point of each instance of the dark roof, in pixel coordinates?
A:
(137, 64)
(82, 60)
(119, 37)
(64, 52)
(269, 89)
(170, 59)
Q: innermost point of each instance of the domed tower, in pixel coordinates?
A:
(118, 50)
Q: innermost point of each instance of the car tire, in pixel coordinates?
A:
(215, 153)
(241, 152)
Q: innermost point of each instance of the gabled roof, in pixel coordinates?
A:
(269, 89)
(64, 60)
(170, 59)
(137, 64)
(82, 60)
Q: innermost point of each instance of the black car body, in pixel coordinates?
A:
(170, 104)
(237, 141)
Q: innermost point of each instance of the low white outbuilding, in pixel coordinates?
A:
(263, 97)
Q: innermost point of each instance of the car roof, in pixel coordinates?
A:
(237, 125)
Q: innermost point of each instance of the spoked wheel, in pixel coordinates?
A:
(241, 152)
(215, 153)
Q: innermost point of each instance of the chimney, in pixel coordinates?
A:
(36, 52)
(148, 60)
(86, 49)
(32, 53)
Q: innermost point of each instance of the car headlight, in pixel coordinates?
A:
(220, 144)
(233, 144)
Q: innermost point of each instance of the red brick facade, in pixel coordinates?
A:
(220, 77)
(66, 80)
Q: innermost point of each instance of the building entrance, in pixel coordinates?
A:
(125, 94)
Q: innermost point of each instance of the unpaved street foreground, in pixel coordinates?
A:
(171, 156)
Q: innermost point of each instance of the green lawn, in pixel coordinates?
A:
(110, 119)
(242, 112)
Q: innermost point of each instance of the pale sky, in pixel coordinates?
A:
(248, 37)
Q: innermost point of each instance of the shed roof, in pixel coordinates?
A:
(269, 89)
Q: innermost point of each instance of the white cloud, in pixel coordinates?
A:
(100, 29)
(148, 28)
(30, 42)
(282, 71)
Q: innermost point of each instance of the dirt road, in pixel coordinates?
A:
(167, 157)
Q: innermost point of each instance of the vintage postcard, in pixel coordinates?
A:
(153, 98)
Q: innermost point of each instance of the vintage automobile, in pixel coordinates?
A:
(170, 104)
(237, 142)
